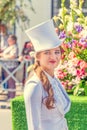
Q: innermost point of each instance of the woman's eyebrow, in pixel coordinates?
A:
(57, 50)
(46, 50)
(50, 50)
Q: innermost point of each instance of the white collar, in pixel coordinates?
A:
(51, 79)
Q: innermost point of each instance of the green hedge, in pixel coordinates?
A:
(19, 121)
(77, 117)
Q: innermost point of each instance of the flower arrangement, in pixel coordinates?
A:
(72, 27)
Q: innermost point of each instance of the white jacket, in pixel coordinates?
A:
(38, 116)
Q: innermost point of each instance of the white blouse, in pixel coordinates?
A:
(11, 50)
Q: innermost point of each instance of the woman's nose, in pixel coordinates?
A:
(53, 56)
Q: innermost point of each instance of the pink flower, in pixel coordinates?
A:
(80, 72)
(71, 55)
(83, 64)
(61, 74)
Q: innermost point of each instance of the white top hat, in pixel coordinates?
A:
(44, 36)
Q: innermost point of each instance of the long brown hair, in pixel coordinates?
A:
(49, 100)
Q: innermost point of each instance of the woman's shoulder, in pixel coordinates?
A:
(33, 79)
(33, 88)
(33, 82)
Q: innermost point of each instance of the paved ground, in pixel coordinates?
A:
(5, 112)
(5, 119)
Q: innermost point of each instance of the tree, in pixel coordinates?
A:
(11, 11)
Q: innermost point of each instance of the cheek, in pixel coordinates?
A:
(58, 57)
(58, 60)
(44, 61)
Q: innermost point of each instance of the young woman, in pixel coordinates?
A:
(46, 101)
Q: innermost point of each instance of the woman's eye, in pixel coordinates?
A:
(46, 52)
(57, 52)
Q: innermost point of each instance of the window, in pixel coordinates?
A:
(57, 5)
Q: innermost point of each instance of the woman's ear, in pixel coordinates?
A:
(37, 56)
(37, 59)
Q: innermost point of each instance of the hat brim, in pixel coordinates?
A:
(33, 53)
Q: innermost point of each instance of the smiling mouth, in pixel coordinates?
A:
(52, 62)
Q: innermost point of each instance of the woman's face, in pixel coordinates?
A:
(49, 59)
(11, 41)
